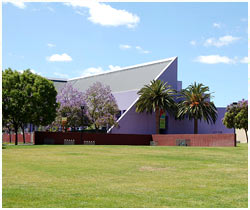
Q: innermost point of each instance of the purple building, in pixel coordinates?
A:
(126, 82)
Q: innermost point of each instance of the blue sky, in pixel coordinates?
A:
(59, 40)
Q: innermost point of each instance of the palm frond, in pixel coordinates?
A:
(195, 104)
(157, 95)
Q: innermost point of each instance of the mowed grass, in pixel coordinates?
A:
(124, 176)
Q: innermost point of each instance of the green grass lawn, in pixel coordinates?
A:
(124, 176)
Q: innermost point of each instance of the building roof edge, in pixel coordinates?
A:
(126, 68)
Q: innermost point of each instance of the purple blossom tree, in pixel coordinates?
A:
(101, 106)
(70, 101)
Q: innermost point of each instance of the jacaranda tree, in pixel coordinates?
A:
(70, 103)
(236, 116)
(195, 104)
(101, 106)
(155, 97)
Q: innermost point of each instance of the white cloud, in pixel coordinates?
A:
(217, 25)
(244, 60)
(142, 50)
(60, 75)
(222, 41)
(138, 48)
(193, 42)
(80, 3)
(125, 46)
(214, 59)
(93, 70)
(33, 71)
(106, 15)
(18, 3)
(60, 58)
(51, 45)
(114, 68)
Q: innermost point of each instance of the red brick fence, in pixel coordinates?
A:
(28, 138)
(91, 138)
(203, 140)
(200, 140)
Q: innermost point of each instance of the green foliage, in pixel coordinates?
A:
(74, 116)
(13, 97)
(27, 98)
(229, 117)
(41, 99)
(237, 116)
(241, 119)
(195, 104)
(157, 95)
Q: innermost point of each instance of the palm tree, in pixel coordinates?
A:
(195, 105)
(154, 97)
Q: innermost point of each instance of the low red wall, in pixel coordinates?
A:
(88, 138)
(200, 140)
(6, 138)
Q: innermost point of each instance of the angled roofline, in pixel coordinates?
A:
(164, 69)
(57, 79)
(123, 91)
(126, 68)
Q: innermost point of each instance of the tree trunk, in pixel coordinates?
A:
(195, 126)
(157, 120)
(246, 134)
(23, 134)
(10, 134)
(16, 131)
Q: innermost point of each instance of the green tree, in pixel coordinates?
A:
(195, 105)
(13, 99)
(27, 98)
(237, 116)
(41, 95)
(229, 117)
(75, 117)
(155, 97)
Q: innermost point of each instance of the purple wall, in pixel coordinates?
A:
(134, 123)
(170, 75)
(125, 99)
(187, 126)
(218, 127)
(179, 85)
